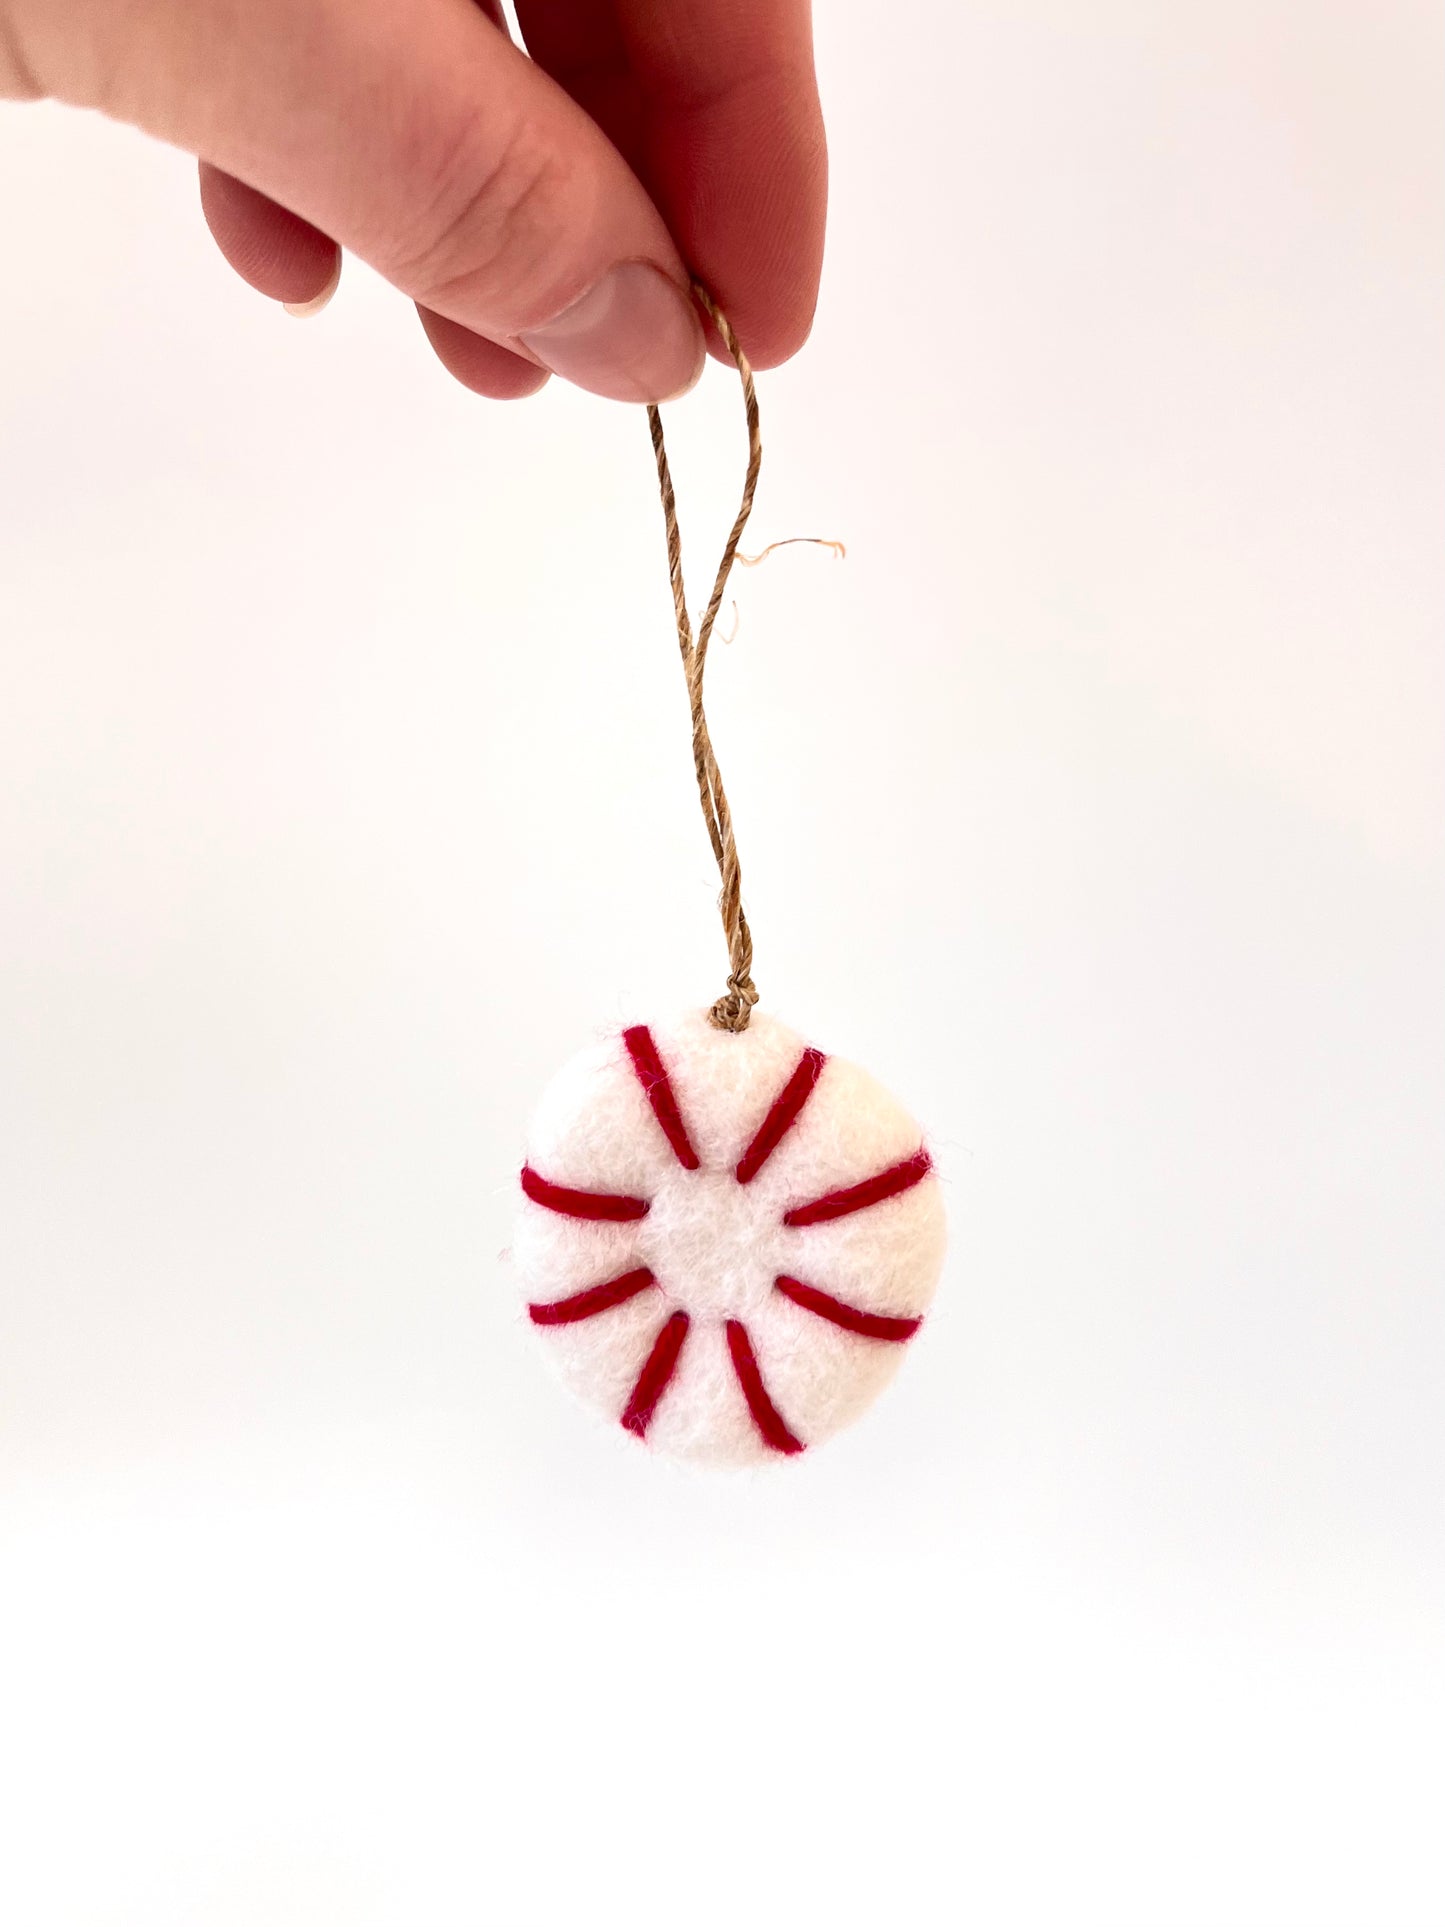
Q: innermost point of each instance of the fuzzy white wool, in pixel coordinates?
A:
(717, 1247)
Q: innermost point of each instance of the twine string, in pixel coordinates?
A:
(733, 1009)
(787, 542)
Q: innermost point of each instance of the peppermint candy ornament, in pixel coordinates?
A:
(726, 1239)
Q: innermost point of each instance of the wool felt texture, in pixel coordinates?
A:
(726, 1240)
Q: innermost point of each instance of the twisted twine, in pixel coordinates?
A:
(733, 1009)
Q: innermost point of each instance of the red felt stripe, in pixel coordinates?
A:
(608, 1206)
(596, 1298)
(652, 1076)
(858, 1197)
(766, 1416)
(867, 1324)
(783, 1116)
(652, 1380)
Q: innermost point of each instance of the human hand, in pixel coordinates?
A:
(543, 213)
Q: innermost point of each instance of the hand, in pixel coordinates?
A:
(543, 213)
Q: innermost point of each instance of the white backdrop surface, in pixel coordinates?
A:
(1094, 802)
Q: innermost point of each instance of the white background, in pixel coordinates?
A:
(1094, 802)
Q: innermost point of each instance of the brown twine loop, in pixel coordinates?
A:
(733, 1009)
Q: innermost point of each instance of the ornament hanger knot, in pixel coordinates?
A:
(733, 1009)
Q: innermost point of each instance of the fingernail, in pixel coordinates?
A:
(634, 337)
(303, 310)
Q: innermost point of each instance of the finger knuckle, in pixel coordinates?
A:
(491, 223)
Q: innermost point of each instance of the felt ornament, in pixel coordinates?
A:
(726, 1239)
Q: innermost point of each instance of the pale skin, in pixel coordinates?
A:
(545, 213)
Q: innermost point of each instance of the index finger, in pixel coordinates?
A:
(715, 106)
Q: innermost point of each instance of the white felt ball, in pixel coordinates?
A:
(725, 1241)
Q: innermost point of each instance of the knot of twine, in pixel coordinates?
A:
(733, 1009)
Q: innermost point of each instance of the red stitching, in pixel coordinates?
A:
(652, 1076)
(596, 1298)
(652, 1380)
(609, 1206)
(766, 1415)
(867, 1324)
(783, 1116)
(858, 1197)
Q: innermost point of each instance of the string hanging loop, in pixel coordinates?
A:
(733, 1009)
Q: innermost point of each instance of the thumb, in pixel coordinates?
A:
(418, 137)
